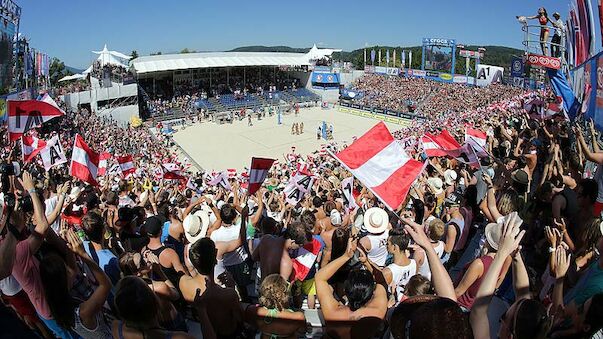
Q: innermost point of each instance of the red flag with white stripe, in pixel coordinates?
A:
(172, 171)
(475, 136)
(302, 264)
(126, 163)
(382, 165)
(84, 161)
(446, 141)
(31, 146)
(103, 159)
(231, 173)
(257, 173)
(27, 114)
(431, 148)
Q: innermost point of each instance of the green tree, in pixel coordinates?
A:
(133, 55)
(57, 70)
(186, 50)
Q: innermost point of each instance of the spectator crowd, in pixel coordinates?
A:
(507, 247)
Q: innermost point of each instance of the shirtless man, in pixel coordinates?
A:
(223, 321)
(273, 251)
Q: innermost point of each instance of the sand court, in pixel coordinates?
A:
(218, 147)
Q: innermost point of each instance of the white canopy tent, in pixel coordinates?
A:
(73, 77)
(107, 57)
(316, 54)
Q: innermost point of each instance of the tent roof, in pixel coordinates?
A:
(315, 54)
(72, 77)
(111, 57)
(169, 62)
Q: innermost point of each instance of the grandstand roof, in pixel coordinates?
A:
(170, 62)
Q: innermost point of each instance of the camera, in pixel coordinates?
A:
(25, 203)
(7, 169)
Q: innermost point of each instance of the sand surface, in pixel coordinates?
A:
(218, 147)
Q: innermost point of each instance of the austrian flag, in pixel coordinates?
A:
(257, 174)
(27, 114)
(102, 163)
(382, 165)
(31, 146)
(126, 163)
(84, 161)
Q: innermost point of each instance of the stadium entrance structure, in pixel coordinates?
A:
(226, 81)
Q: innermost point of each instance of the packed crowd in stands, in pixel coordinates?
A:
(510, 246)
(433, 99)
(71, 87)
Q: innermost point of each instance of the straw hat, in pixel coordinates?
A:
(375, 220)
(195, 226)
(450, 176)
(436, 185)
(493, 233)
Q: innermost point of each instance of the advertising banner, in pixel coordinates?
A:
(487, 74)
(459, 79)
(517, 67)
(543, 61)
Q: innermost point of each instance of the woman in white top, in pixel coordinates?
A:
(376, 223)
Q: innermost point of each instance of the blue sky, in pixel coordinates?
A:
(69, 30)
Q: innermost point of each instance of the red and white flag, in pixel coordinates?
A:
(431, 148)
(84, 161)
(302, 264)
(31, 146)
(347, 187)
(103, 159)
(221, 179)
(172, 171)
(257, 173)
(27, 114)
(382, 165)
(126, 163)
(475, 136)
(232, 173)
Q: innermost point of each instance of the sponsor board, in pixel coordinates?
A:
(446, 76)
(543, 61)
(459, 79)
(366, 114)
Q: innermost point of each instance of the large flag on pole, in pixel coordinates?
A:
(378, 161)
(53, 154)
(27, 114)
(31, 146)
(257, 173)
(84, 161)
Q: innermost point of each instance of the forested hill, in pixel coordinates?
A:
(494, 55)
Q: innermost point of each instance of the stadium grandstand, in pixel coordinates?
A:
(179, 84)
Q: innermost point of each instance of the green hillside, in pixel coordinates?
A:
(494, 55)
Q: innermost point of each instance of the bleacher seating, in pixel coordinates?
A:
(205, 104)
(228, 101)
(304, 94)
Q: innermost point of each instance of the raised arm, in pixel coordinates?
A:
(37, 237)
(90, 308)
(440, 278)
(324, 292)
(507, 245)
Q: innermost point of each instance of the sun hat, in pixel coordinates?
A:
(436, 185)
(375, 220)
(493, 233)
(195, 226)
(520, 176)
(450, 177)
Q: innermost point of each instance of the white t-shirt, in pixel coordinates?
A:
(229, 233)
(51, 204)
(400, 277)
(424, 269)
(378, 252)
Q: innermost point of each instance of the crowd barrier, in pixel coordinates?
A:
(378, 113)
(379, 116)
